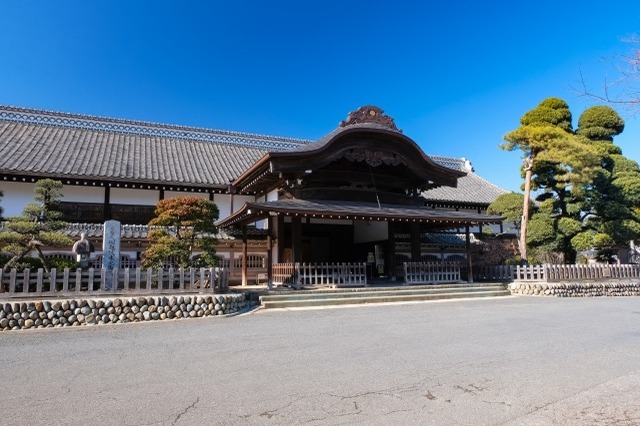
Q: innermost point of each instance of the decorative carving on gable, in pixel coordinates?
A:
(373, 158)
(370, 114)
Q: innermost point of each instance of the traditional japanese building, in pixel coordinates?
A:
(364, 193)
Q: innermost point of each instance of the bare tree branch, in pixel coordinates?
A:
(624, 90)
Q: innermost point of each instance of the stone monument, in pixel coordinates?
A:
(110, 250)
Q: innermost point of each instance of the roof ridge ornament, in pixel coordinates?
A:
(370, 114)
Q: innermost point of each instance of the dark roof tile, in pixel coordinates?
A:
(66, 145)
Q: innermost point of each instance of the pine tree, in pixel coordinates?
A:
(185, 225)
(39, 225)
(545, 136)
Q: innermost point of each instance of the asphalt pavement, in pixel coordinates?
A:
(512, 360)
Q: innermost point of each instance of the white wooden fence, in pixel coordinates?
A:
(590, 272)
(431, 272)
(555, 273)
(338, 274)
(38, 283)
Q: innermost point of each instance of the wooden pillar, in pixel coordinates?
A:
(296, 239)
(244, 254)
(280, 238)
(416, 253)
(107, 203)
(391, 251)
(468, 249)
(269, 252)
(161, 195)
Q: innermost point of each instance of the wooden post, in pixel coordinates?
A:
(416, 253)
(280, 239)
(269, 252)
(296, 239)
(106, 210)
(244, 255)
(391, 251)
(468, 249)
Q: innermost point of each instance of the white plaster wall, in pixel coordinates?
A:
(173, 194)
(140, 197)
(83, 194)
(223, 201)
(239, 200)
(370, 231)
(16, 196)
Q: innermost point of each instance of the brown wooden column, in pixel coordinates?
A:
(280, 238)
(269, 252)
(416, 252)
(244, 254)
(296, 239)
(468, 249)
(391, 251)
(106, 211)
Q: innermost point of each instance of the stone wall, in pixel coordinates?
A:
(76, 312)
(578, 289)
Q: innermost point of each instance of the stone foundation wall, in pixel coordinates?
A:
(76, 312)
(578, 289)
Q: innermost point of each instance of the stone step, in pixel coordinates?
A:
(400, 296)
(363, 292)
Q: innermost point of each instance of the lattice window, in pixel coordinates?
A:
(253, 261)
(125, 262)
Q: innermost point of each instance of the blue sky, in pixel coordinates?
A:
(456, 75)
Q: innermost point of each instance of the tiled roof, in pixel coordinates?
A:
(356, 210)
(325, 139)
(141, 232)
(54, 144)
(471, 189)
(47, 143)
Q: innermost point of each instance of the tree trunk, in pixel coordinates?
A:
(7, 266)
(43, 259)
(525, 208)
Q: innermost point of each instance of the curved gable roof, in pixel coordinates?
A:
(374, 141)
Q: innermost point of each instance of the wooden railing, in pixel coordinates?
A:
(431, 272)
(530, 273)
(493, 273)
(38, 283)
(591, 272)
(555, 273)
(338, 274)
